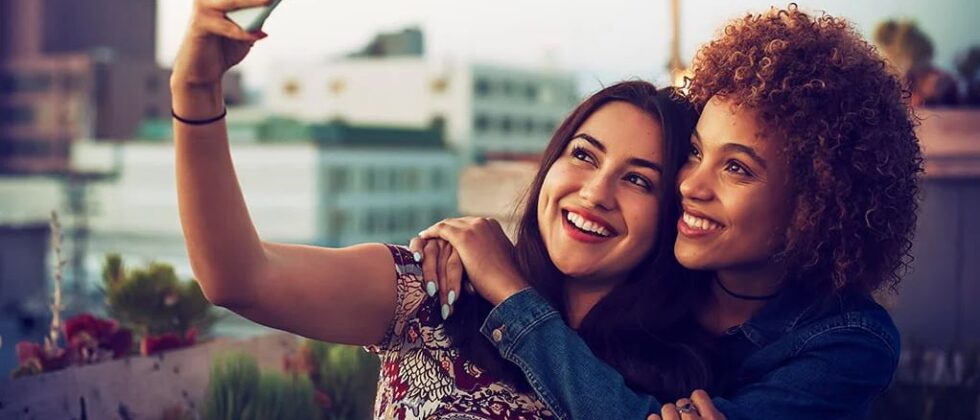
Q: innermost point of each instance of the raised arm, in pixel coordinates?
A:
(338, 295)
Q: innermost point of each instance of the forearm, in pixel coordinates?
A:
(559, 365)
(224, 248)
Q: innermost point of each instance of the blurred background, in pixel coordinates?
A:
(368, 121)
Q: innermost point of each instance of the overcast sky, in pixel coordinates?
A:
(602, 40)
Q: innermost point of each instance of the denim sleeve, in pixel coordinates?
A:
(836, 374)
(558, 364)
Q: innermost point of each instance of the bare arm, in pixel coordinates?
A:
(339, 295)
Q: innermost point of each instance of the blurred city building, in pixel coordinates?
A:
(332, 184)
(23, 260)
(70, 70)
(381, 184)
(489, 111)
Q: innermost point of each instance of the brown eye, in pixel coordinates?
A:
(580, 154)
(695, 153)
(639, 181)
(736, 167)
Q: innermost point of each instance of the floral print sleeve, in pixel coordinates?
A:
(423, 375)
(409, 298)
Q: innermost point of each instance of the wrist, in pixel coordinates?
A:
(510, 288)
(196, 101)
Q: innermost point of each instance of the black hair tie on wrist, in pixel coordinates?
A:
(224, 112)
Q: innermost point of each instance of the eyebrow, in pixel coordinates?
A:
(736, 147)
(632, 161)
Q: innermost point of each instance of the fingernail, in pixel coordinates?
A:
(452, 297)
(445, 311)
(430, 288)
(417, 256)
(420, 233)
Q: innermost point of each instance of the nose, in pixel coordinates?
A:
(599, 191)
(695, 182)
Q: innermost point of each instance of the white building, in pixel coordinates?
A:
(487, 110)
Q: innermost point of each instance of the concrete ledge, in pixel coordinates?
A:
(133, 387)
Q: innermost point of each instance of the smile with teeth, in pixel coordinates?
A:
(587, 226)
(700, 223)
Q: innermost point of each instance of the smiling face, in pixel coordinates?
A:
(599, 202)
(735, 193)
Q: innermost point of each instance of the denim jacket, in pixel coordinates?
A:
(796, 359)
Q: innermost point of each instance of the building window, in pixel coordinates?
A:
(549, 126)
(412, 179)
(506, 125)
(481, 123)
(291, 88)
(508, 88)
(482, 87)
(338, 86)
(529, 126)
(437, 179)
(337, 179)
(370, 180)
(12, 83)
(531, 92)
(16, 115)
(439, 85)
(337, 220)
(36, 148)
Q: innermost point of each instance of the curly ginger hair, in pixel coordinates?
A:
(816, 85)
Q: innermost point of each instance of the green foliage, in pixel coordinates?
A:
(348, 375)
(285, 397)
(232, 386)
(237, 390)
(153, 300)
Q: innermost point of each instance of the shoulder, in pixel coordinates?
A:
(851, 321)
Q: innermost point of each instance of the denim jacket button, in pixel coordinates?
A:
(498, 334)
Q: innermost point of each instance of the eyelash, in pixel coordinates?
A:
(740, 168)
(580, 153)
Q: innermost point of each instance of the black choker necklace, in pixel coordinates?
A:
(740, 296)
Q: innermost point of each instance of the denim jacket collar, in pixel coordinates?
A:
(778, 318)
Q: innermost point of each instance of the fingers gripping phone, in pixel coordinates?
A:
(252, 18)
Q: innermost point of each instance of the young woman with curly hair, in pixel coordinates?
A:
(798, 202)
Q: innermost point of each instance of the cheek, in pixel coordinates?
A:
(642, 221)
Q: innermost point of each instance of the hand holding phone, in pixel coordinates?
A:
(251, 19)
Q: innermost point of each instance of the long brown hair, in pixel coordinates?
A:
(644, 327)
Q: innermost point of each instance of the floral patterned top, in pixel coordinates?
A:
(423, 376)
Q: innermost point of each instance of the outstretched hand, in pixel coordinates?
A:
(213, 44)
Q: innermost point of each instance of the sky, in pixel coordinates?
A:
(601, 41)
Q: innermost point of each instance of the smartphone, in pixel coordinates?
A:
(252, 18)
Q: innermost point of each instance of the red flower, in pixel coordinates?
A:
(167, 341)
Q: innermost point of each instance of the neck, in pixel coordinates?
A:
(581, 297)
(727, 310)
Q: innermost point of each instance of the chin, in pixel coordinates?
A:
(690, 259)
